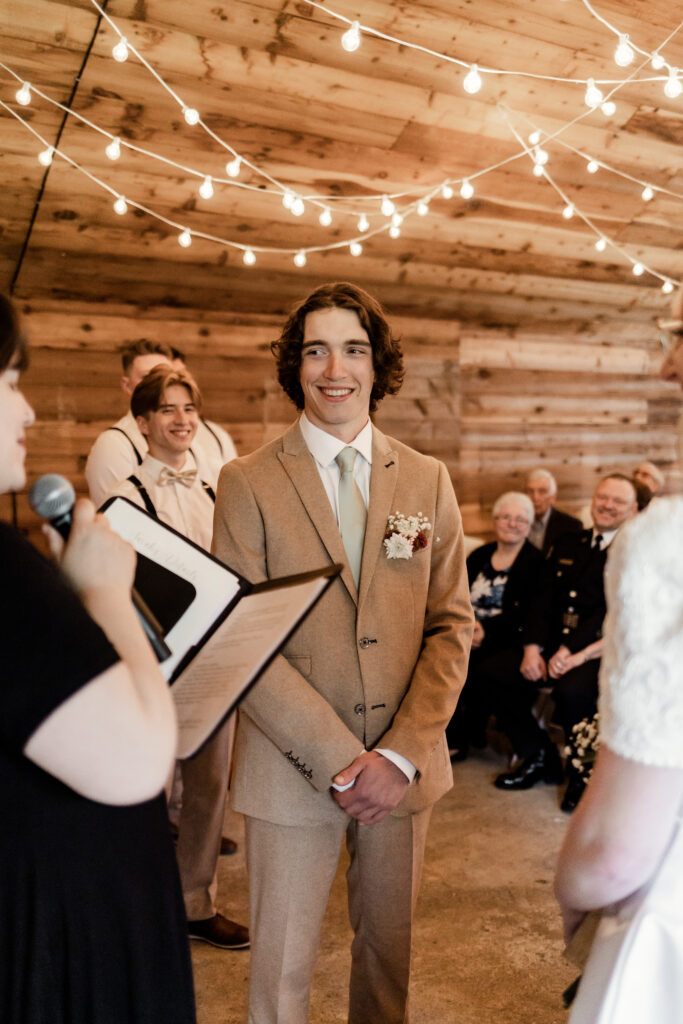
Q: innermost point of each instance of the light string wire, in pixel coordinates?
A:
(322, 200)
(179, 226)
(280, 189)
(580, 214)
(427, 195)
(369, 30)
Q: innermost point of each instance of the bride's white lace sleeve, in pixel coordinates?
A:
(641, 676)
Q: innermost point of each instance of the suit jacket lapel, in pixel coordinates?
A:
(300, 466)
(383, 480)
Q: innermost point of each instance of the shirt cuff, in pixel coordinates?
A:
(406, 766)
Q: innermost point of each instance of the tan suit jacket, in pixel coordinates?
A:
(382, 667)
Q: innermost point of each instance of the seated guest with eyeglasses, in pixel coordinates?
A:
(503, 576)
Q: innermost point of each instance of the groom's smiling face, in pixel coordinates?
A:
(336, 372)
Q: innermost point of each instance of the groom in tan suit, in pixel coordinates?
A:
(344, 734)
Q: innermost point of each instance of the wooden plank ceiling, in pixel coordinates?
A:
(271, 79)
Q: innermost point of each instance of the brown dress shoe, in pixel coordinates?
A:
(220, 932)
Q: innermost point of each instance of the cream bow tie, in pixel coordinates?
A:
(186, 477)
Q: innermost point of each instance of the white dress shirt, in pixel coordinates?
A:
(607, 537)
(189, 510)
(112, 458)
(325, 448)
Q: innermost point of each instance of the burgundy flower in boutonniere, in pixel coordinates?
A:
(405, 534)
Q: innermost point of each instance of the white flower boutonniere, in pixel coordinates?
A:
(405, 534)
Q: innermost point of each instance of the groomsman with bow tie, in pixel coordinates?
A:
(166, 405)
(344, 736)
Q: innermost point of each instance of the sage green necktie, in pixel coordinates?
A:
(352, 511)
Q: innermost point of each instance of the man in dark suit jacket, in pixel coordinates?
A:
(563, 640)
(550, 523)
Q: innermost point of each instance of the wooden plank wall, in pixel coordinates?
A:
(492, 403)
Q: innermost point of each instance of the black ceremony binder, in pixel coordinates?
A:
(222, 630)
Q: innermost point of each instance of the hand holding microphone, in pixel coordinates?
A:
(95, 555)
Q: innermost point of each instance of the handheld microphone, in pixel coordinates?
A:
(52, 497)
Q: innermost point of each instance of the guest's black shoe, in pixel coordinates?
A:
(220, 932)
(228, 847)
(543, 766)
(572, 794)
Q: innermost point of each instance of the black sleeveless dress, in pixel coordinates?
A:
(92, 925)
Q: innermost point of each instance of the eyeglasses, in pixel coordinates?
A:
(517, 520)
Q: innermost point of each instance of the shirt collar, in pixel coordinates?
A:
(325, 447)
(155, 466)
(607, 537)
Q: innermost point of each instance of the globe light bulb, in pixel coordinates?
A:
(249, 258)
(593, 96)
(535, 138)
(446, 191)
(298, 206)
(325, 217)
(422, 208)
(363, 223)
(538, 170)
(609, 108)
(191, 115)
(672, 88)
(185, 239)
(396, 220)
(23, 95)
(288, 198)
(206, 188)
(647, 194)
(466, 189)
(667, 287)
(387, 207)
(120, 51)
(540, 156)
(472, 82)
(601, 244)
(394, 231)
(300, 259)
(351, 38)
(623, 55)
(568, 211)
(592, 166)
(113, 150)
(121, 206)
(45, 158)
(233, 167)
(657, 61)
(638, 269)
(355, 248)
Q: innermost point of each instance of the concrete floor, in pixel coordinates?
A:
(487, 947)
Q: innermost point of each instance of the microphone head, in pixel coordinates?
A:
(51, 496)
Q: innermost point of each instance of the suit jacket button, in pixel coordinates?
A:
(364, 642)
(572, 593)
(359, 709)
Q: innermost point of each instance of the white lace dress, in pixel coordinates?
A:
(635, 971)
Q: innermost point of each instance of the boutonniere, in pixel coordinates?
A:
(405, 534)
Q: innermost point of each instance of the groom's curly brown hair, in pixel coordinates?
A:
(387, 357)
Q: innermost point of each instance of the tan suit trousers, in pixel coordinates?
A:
(204, 787)
(291, 869)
